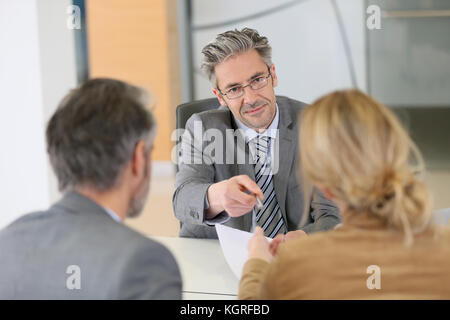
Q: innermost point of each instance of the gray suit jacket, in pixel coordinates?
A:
(114, 261)
(193, 179)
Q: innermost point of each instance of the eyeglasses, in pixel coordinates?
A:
(255, 84)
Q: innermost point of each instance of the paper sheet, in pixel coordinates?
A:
(234, 244)
(442, 216)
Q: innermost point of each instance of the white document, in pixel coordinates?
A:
(234, 244)
(442, 216)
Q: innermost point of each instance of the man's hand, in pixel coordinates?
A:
(279, 239)
(258, 246)
(230, 195)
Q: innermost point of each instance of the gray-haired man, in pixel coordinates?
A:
(99, 142)
(239, 66)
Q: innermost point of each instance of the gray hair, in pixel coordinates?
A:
(230, 43)
(93, 134)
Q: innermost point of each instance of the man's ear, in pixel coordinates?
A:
(139, 159)
(274, 75)
(219, 97)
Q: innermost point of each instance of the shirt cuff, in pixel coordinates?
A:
(219, 219)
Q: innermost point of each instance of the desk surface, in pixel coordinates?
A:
(205, 273)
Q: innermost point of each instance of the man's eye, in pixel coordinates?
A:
(234, 90)
(258, 79)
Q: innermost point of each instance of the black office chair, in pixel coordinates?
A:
(186, 110)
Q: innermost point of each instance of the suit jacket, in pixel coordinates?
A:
(111, 260)
(194, 177)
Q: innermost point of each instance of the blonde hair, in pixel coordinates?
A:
(355, 147)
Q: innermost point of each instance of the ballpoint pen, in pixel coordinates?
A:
(259, 203)
(259, 206)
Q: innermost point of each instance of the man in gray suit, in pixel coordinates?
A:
(99, 142)
(252, 154)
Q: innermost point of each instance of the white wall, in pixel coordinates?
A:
(36, 70)
(307, 47)
(57, 60)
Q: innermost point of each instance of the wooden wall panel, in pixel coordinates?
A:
(135, 41)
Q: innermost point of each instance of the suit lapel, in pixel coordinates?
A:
(283, 154)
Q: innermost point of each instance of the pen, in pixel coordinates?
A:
(259, 206)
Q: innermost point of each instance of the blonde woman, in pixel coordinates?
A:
(356, 152)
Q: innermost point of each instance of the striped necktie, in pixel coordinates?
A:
(269, 218)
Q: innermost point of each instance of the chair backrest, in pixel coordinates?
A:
(186, 110)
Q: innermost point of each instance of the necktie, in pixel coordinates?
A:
(269, 218)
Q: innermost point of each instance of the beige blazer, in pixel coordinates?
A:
(350, 262)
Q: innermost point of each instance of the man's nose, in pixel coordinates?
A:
(250, 96)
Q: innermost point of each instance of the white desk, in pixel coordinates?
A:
(205, 273)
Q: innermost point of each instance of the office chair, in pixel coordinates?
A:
(186, 110)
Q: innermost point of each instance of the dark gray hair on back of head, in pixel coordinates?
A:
(93, 133)
(231, 43)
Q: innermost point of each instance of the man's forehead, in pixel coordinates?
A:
(239, 68)
(232, 83)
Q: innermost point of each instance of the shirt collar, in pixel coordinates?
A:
(271, 131)
(112, 214)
